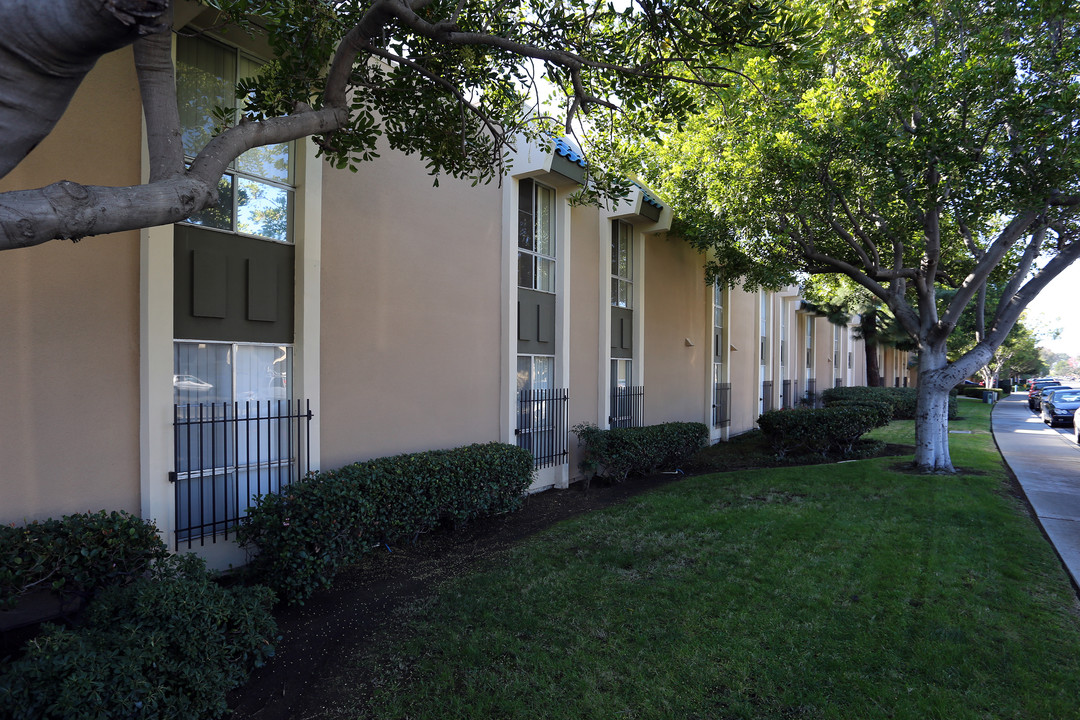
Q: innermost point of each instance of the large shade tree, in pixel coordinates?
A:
(932, 143)
(449, 80)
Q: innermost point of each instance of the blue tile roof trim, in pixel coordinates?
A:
(649, 199)
(563, 148)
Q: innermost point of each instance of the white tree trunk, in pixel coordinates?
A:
(932, 413)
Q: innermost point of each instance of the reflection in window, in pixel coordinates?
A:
(536, 239)
(255, 197)
(622, 264)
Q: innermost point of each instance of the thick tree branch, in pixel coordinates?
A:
(48, 50)
(990, 259)
(72, 211)
(157, 87)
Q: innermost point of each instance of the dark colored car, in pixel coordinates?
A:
(1040, 397)
(1035, 392)
(1059, 405)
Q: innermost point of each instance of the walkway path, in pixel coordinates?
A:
(1047, 463)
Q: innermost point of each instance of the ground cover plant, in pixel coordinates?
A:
(852, 590)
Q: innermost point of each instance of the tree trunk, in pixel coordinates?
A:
(932, 413)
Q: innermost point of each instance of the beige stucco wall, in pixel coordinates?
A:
(743, 360)
(677, 306)
(587, 305)
(69, 348)
(410, 311)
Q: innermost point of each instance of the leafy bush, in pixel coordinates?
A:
(77, 554)
(314, 527)
(618, 452)
(903, 400)
(821, 430)
(977, 392)
(169, 645)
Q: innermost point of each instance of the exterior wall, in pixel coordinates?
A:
(676, 310)
(743, 359)
(69, 348)
(591, 303)
(410, 311)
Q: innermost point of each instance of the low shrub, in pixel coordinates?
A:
(821, 430)
(903, 400)
(77, 554)
(979, 392)
(305, 534)
(619, 452)
(169, 645)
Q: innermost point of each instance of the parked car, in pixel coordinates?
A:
(1059, 405)
(1034, 392)
(1040, 397)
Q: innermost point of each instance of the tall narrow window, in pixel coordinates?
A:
(536, 237)
(236, 435)
(627, 400)
(809, 342)
(622, 264)
(721, 388)
(255, 195)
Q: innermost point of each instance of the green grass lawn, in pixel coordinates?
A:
(835, 591)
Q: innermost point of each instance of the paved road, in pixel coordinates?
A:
(1047, 464)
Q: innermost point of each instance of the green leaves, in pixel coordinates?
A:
(169, 645)
(619, 452)
(77, 554)
(305, 535)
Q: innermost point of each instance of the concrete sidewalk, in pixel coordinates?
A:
(1047, 464)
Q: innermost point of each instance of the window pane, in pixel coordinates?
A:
(202, 373)
(263, 372)
(545, 241)
(526, 274)
(262, 209)
(205, 80)
(221, 216)
(273, 162)
(545, 275)
(543, 373)
(615, 292)
(524, 373)
(624, 259)
(525, 215)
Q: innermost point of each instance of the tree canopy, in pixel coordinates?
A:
(451, 81)
(928, 144)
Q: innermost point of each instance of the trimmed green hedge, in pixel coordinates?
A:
(903, 400)
(77, 554)
(833, 429)
(317, 526)
(977, 392)
(618, 452)
(170, 645)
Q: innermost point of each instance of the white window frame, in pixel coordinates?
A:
(622, 245)
(234, 174)
(537, 257)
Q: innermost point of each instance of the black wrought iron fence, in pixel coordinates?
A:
(543, 419)
(722, 404)
(766, 395)
(228, 454)
(627, 406)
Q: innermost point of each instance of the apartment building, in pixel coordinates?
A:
(319, 316)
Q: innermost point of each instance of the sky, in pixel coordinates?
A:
(1056, 307)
